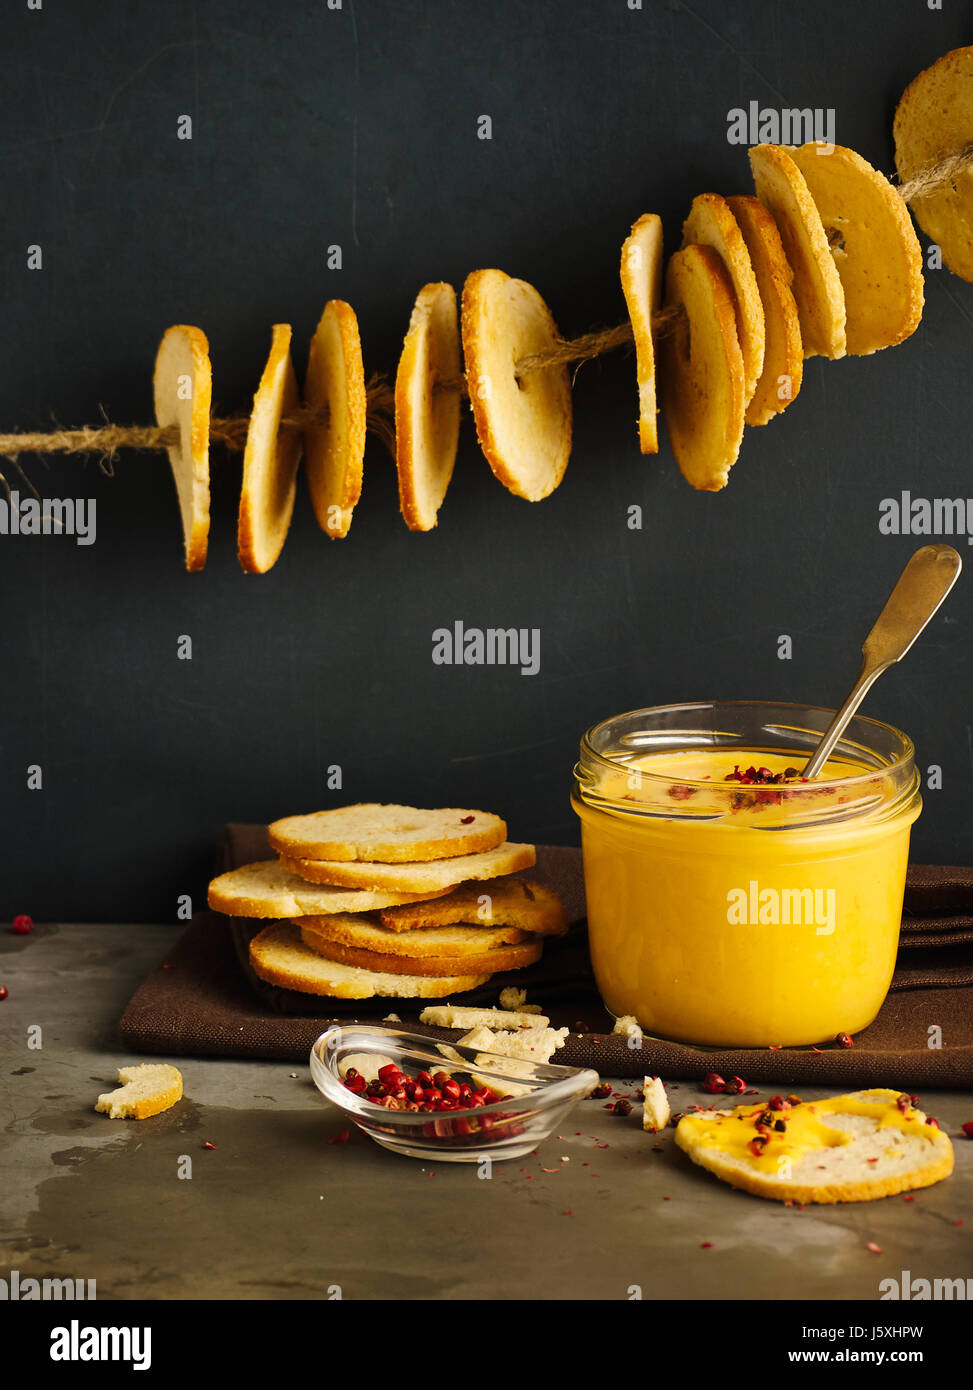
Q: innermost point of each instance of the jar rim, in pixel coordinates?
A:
(906, 755)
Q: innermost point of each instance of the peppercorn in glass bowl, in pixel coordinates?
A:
(499, 1106)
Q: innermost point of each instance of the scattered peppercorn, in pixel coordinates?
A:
(3, 991)
(23, 925)
(601, 1091)
(845, 1040)
(466, 820)
(622, 1107)
(968, 1129)
(713, 1082)
(735, 1085)
(780, 1125)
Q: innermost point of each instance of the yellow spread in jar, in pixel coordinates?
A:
(745, 912)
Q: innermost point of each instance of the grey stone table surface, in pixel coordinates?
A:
(274, 1211)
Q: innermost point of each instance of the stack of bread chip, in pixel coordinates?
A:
(391, 901)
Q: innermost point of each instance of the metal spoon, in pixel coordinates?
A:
(922, 586)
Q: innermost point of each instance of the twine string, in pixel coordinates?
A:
(231, 431)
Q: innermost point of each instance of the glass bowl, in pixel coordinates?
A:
(542, 1095)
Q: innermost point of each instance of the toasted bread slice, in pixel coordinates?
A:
(508, 902)
(449, 1016)
(641, 273)
(782, 189)
(279, 956)
(523, 418)
(334, 448)
(703, 391)
(364, 931)
(183, 389)
(387, 834)
(440, 874)
(427, 406)
(934, 119)
(269, 462)
(872, 241)
(850, 1148)
(783, 368)
(489, 962)
(267, 889)
(711, 223)
(146, 1090)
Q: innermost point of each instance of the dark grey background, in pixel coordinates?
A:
(311, 127)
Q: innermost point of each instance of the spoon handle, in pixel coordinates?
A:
(922, 586)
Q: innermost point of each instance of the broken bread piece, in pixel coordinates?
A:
(451, 1016)
(509, 902)
(782, 189)
(532, 1044)
(523, 417)
(703, 388)
(851, 1148)
(279, 956)
(873, 244)
(641, 274)
(655, 1104)
(146, 1090)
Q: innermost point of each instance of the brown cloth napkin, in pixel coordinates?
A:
(205, 1001)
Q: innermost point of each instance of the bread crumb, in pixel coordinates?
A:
(655, 1104)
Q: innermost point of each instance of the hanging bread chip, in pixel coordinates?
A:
(183, 388)
(934, 119)
(783, 368)
(269, 461)
(701, 363)
(873, 244)
(816, 286)
(427, 406)
(334, 448)
(523, 421)
(711, 223)
(641, 273)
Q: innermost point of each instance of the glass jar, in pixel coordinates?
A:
(744, 912)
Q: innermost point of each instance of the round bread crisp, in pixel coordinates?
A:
(427, 406)
(507, 902)
(703, 395)
(334, 449)
(523, 421)
(485, 962)
(934, 119)
(417, 878)
(641, 274)
(279, 956)
(388, 834)
(266, 889)
(182, 386)
(367, 934)
(269, 461)
(783, 368)
(817, 288)
(711, 223)
(888, 1151)
(873, 243)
